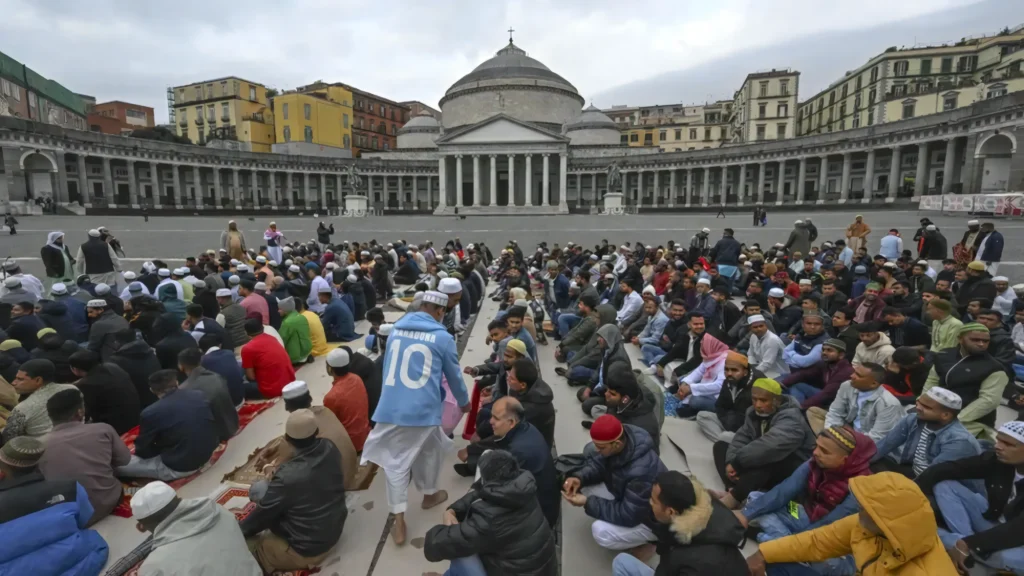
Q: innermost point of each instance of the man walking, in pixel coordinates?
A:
(407, 441)
(97, 259)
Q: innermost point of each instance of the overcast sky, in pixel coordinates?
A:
(132, 50)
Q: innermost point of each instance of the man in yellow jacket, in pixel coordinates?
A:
(895, 533)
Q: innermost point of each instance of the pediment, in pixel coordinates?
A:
(501, 129)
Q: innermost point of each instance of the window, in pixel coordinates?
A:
(347, 141)
(634, 137)
(764, 89)
(856, 120)
(374, 141)
(874, 74)
(199, 114)
(679, 134)
(784, 87)
(225, 112)
(393, 114)
(648, 139)
(184, 115)
(761, 108)
(908, 109)
(224, 88)
(831, 97)
(926, 66)
(309, 134)
(949, 101)
(344, 120)
(387, 145)
(383, 111)
(252, 93)
(707, 133)
(211, 113)
(693, 133)
(842, 110)
(394, 129)
(899, 89)
(372, 125)
(662, 135)
(782, 111)
(371, 106)
(900, 67)
(307, 111)
(947, 65)
(871, 96)
(624, 139)
(209, 90)
(5, 87)
(967, 63)
(846, 88)
(871, 116)
(284, 110)
(856, 102)
(760, 132)
(859, 78)
(287, 133)
(780, 131)
(32, 102)
(996, 90)
(199, 92)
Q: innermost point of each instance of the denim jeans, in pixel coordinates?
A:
(627, 565)
(567, 322)
(695, 405)
(252, 390)
(468, 566)
(962, 510)
(781, 523)
(150, 468)
(580, 373)
(651, 354)
(802, 391)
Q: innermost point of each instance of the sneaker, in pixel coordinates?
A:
(561, 370)
(651, 371)
(587, 424)
(462, 469)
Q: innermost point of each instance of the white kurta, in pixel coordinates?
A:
(407, 451)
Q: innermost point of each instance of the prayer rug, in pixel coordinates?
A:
(246, 414)
(234, 498)
(249, 472)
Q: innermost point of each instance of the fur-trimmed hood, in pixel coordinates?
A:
(706, 522)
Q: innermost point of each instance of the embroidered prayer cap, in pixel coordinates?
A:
(517, 345)
(385, 329)
(294, 269)
(338, 358)
(102, 289)
(805, 282)
(223, 293)
(776, 293)
(734, 357)
(754, 319)
(325, 289)
(606, 428)
(97, 303)
(261, 286)
(129, 275)
(12, 282)
(44, 331)
(704, 281)
(301, 424)
(1000, 279)
(449, 286)
(1014, 429)
(972, 327)
(976, 265)
(873, 286)
(947, 398)
(835, 343)
(294, 390)
(769, 385)
(434, 297)
(842, 436)
(151, 498)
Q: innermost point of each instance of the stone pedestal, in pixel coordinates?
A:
(612, 204)
(356, 206)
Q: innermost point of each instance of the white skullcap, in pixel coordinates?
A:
(273, 223)
(12, 282)
(704, 281)
(288, 262)
(805, 282)
(390, 245)
(328, 251)
(442, 274)
(136, 287)
(352, 267)
(295, 390)
(649, 290)
(234, 279)
(1018, 288)
(573, 285)
(449, 286)
(569, 244)
(287, 249)
(102, 288)
(97, 303)
(945, 397)
(930, 227)
(260, 286)
(593, 256)
(705, 230)
(776, 293)
(94, 233)
(294, 268)
(435, 297)
(325, 290)
(129, 275)
(922, 262)
(648, 247)
(331, 266)
(609, 276)
(969, 223)
(541, 249)
(470, 247)
(755, 319)
(180, 271)
(163, 272)
(149, 267)
(889, 265)
(743, 257)
(243, 267)
(364, 253)
(337, 358)
(151, 498)
(748, 263)
(261, 259)
(1013, 429)
(235, 262)
(58, 289)
(352, 278)
(272, 262)
(385, 329)
(195, 281)
(1000, 279)
(679, 263)
(798, 222)
(223, 293)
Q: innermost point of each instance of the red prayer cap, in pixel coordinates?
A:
(606, 428)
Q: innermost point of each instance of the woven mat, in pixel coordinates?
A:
(249, 472)
(246, 414)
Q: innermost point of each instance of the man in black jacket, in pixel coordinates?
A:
(733, 401)
(696, 534)
(686, 348)
(1000, 344)
(987, 526)
(300, 512)
(525, 385)
(135, 357)
(109, 394)
(626, 400)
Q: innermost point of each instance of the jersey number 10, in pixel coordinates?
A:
(398, 355)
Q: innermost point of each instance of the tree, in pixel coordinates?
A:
(271, 92)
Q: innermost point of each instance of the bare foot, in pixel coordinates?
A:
(398, 529)
(730, 501)
(434, 499)
(643, 553)
(717, 494)
(463, 455)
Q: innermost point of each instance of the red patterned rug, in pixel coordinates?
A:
(246, 414)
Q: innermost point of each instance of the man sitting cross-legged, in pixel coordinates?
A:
(616, 484)
(733, 401)
(214, 389)
(861, 402)
(930, 436)
(773, 442)
(817, 385)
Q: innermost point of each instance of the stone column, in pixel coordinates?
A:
(235, 190)
(761, 174)
(823, 179)
(83, 181)
(593, 187)
(706, 191)
(511, 180)
(947, 166)
(921, 179)
(492, 195)
(869, 177)
(272, 187)
(217, 196)
(657, 190)
(154, 182)
(133, 185)
(781, 183)
(254, 180)
(197, 183)
(529, 179)
(546, 183)
(305, 191)
(323, 191)
(442, 182)
(725, 181)
(741, 189)
(337, 190)
(672, 187)
(801, 178)
(476, 179)
(895, 173)
(108, 183)
(689, 185)
(176, 171)
(563, 181)
(458, 181)
(579, 188)
(430, 192)
(844, 185)
(625, 184)
(60, 176)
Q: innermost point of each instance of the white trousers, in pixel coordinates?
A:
(614, 537)
(407, 453)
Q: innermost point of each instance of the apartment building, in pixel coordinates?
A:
(232, 110)
(24, 93)
(314, 120)
(673, 127)
(119, 118)
(764, 107)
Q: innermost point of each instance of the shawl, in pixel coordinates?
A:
(714, 352)
(826, 489)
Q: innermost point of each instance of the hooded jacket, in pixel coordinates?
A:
(101, 333)
(628, 475)
(139, 361)
(76, 312)
(199, 537)
(503, 524)
(799, 240)
(59, 352)
(878, 353)
(581, 333)
(56, 316)
(540, 411)
(590, 354)
(701, 540)
(640, 410)
(878, 414)
(614, 352)
(764, 440)
(215, 389)
(910, 545)
(169, 340)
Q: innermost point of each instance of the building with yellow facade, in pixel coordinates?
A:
(315, 120)
(764, 107)
(905, 83)
(229, 111)
(673, 127)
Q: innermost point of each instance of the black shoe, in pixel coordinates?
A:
(685, 411)
(561, 370)
(587, 424)
(463, 469)
(575, 383)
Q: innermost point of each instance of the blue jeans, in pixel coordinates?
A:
(627, 565)
(567, 322)
(962, 510)
(252, 390)
(580, 373)
(802, 391)
(781, 523)
(651, 354)
(468, 566)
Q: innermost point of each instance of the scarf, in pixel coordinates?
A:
(826, 489)
(714, 352)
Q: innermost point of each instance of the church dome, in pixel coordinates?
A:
(513, 84)
(420, 132)
(592, 117)
(592, 128)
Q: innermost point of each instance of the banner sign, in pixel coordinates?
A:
(997, 204)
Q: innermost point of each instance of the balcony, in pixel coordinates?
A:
(183, 122)
(255, 117)
(199, 121)
(225, 118)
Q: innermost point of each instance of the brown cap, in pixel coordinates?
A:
(301, 424)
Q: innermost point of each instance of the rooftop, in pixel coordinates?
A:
(49, 89)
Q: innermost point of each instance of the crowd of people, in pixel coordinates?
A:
(849, 401)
